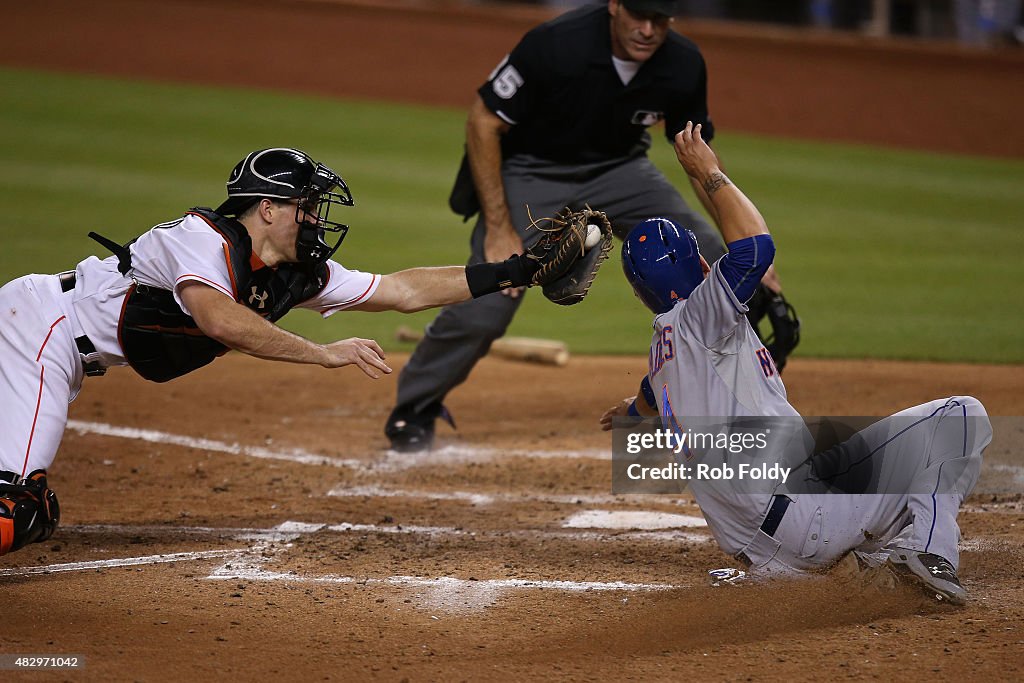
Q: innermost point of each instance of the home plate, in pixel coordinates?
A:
(631, 519)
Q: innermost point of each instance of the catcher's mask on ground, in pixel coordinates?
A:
(286, 173)
(662, 262)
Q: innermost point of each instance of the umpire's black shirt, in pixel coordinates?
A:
(561, 94)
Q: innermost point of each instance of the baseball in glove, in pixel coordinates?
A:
(560, 261)
(588, 235)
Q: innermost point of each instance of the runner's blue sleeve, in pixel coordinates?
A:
(746, 263)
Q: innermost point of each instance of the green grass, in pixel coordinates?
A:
(887, 254)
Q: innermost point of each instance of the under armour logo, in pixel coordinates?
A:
(258, 298)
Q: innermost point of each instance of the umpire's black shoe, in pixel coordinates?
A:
(411, 432)
(409, 437)
(930, 571)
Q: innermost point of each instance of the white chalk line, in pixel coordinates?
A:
(233, 571)
(248, 562)
(117, 562)
(987, 544)
(387, 461)
(154, 436)
(631, 519)
(445, 592)
(475, 498)
(443, 582)
(1010, 506)
(288, 531)
(455, 455)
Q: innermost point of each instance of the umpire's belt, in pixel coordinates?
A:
(85, 346)
(776, 511)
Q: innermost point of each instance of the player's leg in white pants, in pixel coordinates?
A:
(40, 374)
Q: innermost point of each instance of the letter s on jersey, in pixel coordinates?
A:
(661, 352)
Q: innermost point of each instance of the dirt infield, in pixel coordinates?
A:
(242, 534)
(244, 522)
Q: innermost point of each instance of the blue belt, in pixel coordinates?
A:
(776, 512)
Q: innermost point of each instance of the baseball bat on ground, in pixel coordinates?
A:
(529, 349)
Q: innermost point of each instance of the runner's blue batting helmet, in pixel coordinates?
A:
(662, 262)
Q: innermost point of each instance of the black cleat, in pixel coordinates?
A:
(413, 432)
(930, 571)
(29, 511)
(409, 437)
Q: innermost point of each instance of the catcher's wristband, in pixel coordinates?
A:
(487, 278)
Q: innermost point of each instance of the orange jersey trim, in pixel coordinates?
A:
(359, 298)
(227, 255)
(218, 286)
(231, 271)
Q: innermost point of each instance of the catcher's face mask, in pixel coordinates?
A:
(325, 188)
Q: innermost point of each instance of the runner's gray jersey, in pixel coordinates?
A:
(707, 361)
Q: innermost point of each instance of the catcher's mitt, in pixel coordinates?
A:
(567, 266)
(785, 334)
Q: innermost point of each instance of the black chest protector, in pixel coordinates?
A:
(161, 342)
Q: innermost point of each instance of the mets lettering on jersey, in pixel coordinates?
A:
(767, 364)
(661, 351)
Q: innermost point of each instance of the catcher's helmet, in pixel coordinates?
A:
(286, 173)
(662, 262)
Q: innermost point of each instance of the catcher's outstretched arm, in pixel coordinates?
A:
(235, 326)
(416, 289)
(550, 258)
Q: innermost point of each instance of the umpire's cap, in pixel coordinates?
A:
(667, 8)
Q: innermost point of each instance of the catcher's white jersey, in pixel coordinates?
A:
(177, 252)
(39, 324)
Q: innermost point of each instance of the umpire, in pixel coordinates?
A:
(562, 121)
